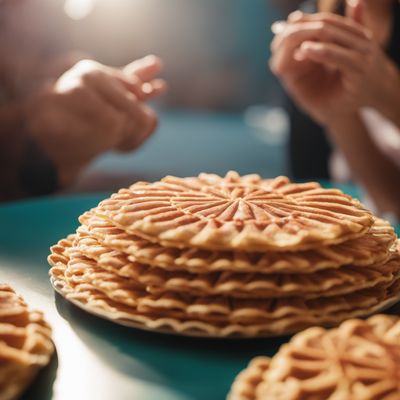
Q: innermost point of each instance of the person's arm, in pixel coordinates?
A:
(25, 169)
(389, 106)
(46, 139)
(371, 167)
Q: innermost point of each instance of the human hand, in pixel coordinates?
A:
(367, 76)
(92, 108)
(324, 61)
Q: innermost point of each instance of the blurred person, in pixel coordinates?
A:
(56, 113)
(340, 66)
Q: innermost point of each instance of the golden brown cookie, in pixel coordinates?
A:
(236, 213)
(81, 280)
(245, 385)
(371, 248)
(25, 344)
(323, 283)
(358, 360)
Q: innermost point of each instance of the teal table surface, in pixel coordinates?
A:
(95, 358)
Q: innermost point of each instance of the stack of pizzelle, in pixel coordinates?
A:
(228, 256)
(25, 344)
(359, 360)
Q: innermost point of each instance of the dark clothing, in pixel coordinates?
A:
(309, 148)
(393, 49)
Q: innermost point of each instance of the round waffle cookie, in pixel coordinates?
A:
(327, 282)
(371, 248)
(82, 281)
(358, 360)
(236, 213)
(25, 344)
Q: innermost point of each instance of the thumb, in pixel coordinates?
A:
(355, 10)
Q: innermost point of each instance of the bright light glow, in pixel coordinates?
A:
(78, 9)
(271, 124)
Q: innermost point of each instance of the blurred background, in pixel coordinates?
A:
(215, 51)
(217, 48)
(221, 92)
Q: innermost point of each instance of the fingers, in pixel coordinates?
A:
(139, 75)
(294, 34)
(94, 72)
(321, 27)
(154, 88)
(126, 120)
(355, 10)
(144, 124)
(333, 55)
(144, 91)
(278, 27)
(133, 120)
(145, 69)
(112, 90)
(296, 16)
(133, 84)
(136, 120)
(349, 24)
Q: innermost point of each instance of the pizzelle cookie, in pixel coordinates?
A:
(371, 248)
(228, 256)
(323, 283)
(358, 360)
(81, 280)
(25, 344)
(236, 213)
